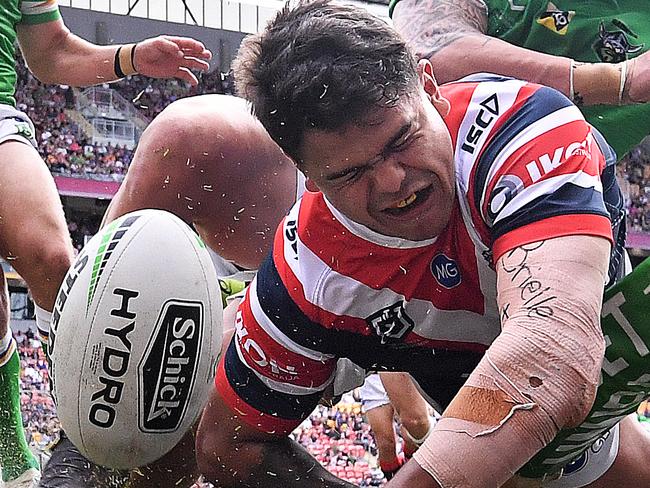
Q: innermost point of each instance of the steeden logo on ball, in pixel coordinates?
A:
(167, 370)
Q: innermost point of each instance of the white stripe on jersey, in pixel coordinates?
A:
(287, 388)
(276, 334)
(552, 121)
(337, 294)
(546, 187)
(506, 92)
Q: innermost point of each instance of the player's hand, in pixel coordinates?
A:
(638, 84)
(171, 57)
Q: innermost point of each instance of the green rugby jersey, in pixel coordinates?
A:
(13, 12)
(585, 30)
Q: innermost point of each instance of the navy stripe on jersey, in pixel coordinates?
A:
(256, 394)
(276, 303)
(568, 199)
(543, 102)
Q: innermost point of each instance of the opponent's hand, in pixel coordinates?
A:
(638, 82)
(171, 57)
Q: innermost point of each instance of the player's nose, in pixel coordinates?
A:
(388, 175)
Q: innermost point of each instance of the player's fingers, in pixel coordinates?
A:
(193, 63)
(205, 54)
(186, 75)
(187, 43)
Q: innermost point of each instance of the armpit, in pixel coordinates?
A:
(430, 25)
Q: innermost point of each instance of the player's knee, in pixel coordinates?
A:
(416, 425)
(54, 259)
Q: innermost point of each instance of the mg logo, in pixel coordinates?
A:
(391, 323)
(445, 271)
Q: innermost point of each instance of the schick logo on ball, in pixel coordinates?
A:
(168, 367)
(445, 271)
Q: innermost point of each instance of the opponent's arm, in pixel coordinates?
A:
(539, 376)
(452, 34)
(232, 454)
(55, 55)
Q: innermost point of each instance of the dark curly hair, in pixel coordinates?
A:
(322, 66)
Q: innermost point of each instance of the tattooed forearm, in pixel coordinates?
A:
(430, 25)
(537, 299)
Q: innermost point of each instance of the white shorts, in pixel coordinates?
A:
(372, 393)
(16, 126)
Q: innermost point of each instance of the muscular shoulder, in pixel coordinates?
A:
(430, 25)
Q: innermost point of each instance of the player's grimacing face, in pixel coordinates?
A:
(394, 174)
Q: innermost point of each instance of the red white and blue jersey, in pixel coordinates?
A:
(528, 168)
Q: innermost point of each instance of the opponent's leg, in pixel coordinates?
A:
(34, 239)
(15, 456)
(381, 422)
(411, 408)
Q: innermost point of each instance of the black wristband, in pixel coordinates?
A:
(116, 64)
(133, 56)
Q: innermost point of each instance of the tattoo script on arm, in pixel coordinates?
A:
(537, 298)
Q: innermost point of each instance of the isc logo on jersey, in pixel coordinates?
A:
(136, 335)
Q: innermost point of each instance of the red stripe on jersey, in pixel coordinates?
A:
(559, 226)
(269, 424)
(264, 354)
(296, 291)
(407, 272)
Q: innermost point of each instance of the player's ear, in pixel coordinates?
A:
(431, 88)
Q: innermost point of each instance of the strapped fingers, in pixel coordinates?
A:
(194, 63)
(205, 54)
(187, 44)
(186, 75)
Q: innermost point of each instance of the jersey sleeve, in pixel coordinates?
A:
(271, 374)
(39, 12)
(539, 176)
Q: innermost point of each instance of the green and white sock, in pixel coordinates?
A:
(43, 322)
(15, 455)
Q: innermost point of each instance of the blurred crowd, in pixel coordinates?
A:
(634, 170)
(340, 438)
(65, 148)
(39, 417)
(82, 227)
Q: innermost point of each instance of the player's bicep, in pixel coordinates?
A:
(40, 43)
(430, 25)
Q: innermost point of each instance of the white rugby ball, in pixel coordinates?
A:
(135, 338)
